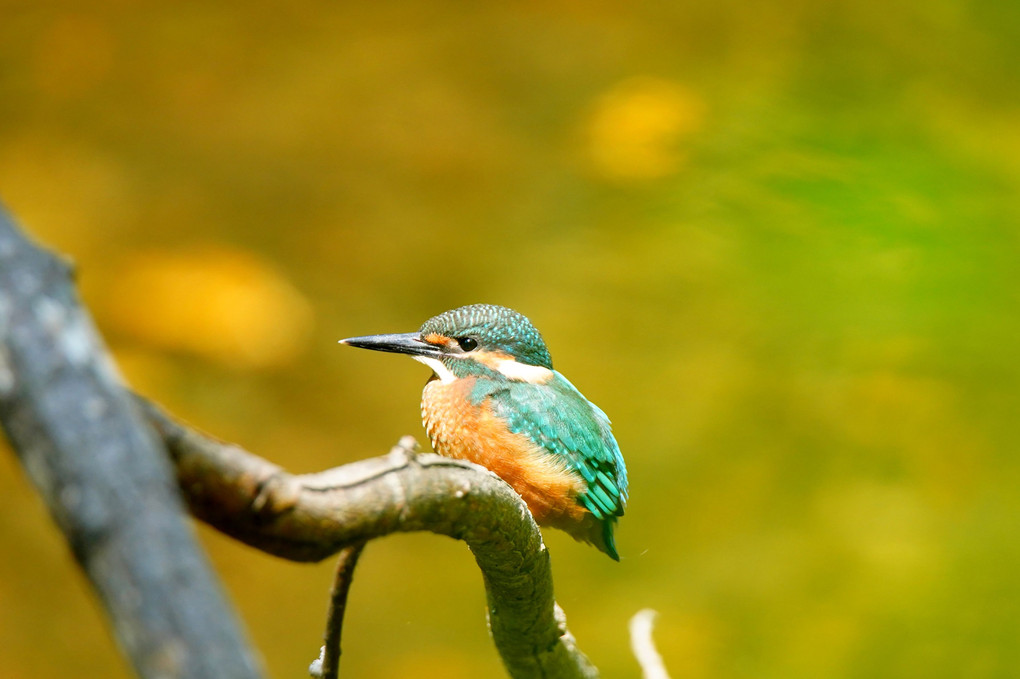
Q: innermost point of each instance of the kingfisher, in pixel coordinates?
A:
(494, 399)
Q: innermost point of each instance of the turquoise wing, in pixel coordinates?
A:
(559, 418)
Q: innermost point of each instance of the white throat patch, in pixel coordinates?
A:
(441, 371)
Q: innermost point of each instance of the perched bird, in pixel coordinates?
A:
(494, 399)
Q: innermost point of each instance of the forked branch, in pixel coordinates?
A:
(105, 478)
(309, 517)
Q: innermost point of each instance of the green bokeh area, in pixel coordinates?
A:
(777, 243)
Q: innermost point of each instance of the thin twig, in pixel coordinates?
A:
(643, 645)
(337, 606)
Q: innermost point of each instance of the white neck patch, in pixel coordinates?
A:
(508, 367)
(533, 374)
(441, 371)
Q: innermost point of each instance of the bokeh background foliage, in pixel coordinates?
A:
(776, 242)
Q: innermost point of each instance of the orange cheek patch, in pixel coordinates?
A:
(436, 338)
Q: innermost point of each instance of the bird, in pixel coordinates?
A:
(494, 399)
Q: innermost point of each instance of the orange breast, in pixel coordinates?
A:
(458, 429)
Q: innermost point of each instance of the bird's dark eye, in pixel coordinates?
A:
(467, 343)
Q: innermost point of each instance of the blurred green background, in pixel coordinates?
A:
(779, 243)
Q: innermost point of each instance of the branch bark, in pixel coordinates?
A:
(309, 517)
(105, 477)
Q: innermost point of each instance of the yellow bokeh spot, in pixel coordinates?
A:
(636, 128)
(223, 305)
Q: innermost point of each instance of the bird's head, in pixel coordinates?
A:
(475, 340)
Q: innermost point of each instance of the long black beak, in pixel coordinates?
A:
(402, 343)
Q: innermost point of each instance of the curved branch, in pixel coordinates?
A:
(106, 481)
(105, 477)
(309, 517)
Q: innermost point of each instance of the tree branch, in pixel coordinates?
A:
(105, 477)
(309, 517)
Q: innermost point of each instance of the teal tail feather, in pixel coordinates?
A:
(608, 543)
(595, 532)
